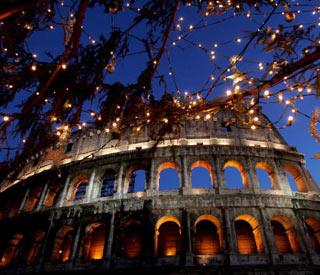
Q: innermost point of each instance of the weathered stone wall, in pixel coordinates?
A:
(200, 144)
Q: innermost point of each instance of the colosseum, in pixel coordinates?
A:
(110, 208)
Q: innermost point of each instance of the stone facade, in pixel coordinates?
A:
(50, 223)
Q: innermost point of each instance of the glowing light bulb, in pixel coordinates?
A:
(6, 118)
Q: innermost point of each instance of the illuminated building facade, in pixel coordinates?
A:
(92, 216)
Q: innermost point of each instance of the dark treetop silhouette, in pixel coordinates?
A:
(60, 67)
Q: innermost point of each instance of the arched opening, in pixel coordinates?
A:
(94, 241)
(81, 190)
(285, 235)
(32, 199)
(16, 203)
(202, 176)
(31, 255)
(264, 180)
(281, 238)
(266, 176)
(249, 236)
(54, 195)
(12, 251)
(313, 229)
(129, 240)
(245, 238)
(62, 245)
(235, 175)
(136, 180)
(107, 188)
(297, 184)
(168, 176)
(79, 187)
(207, 238)
(218, 247)
(168, 237)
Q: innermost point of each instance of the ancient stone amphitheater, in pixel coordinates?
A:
(89, 215)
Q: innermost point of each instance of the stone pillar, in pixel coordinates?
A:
(108, 247)
(231, 237)
(267, 233)
(120, 183)
(252, 178)
(152, 179)
(18, 258)
(281, 178)
(221, 181)
(185, 179)
(188, 250)
(64, 192)
(24, 200)
(43, 248)
(75, 244)
(216, 181)
(43, 196)
(302, 233)
(91, 185)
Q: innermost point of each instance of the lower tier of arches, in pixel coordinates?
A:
(138, 233)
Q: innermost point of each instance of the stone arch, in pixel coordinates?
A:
(238, 165)
(54, 194)
(62, 244)
(313, 229)
(285, 236)
(130, 179)
(164, 166)
(75, 184)
(216, 245)
(298, 178)
(11, 251)
(94, 241)
(31, 254)
(206, 165)
(129, 239)
(269, 169)
(33, 198)
(249, 235)
(169, 239)
(108, 183)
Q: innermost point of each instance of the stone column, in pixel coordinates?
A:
(188, 250)
(91, 185)
(185, 179)
(152, 179)
(221, 181)
(216, 181)
(75, 244)
(281, 178)
(64, 192)
(267, 233)
(118, 194)
(43, 196)
(109, 239)
(231, 236)
(24, 200)
(252, 178)
(43, 248)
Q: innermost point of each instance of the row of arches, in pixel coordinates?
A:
(206, 233)
(136, 179)
(202, 176)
